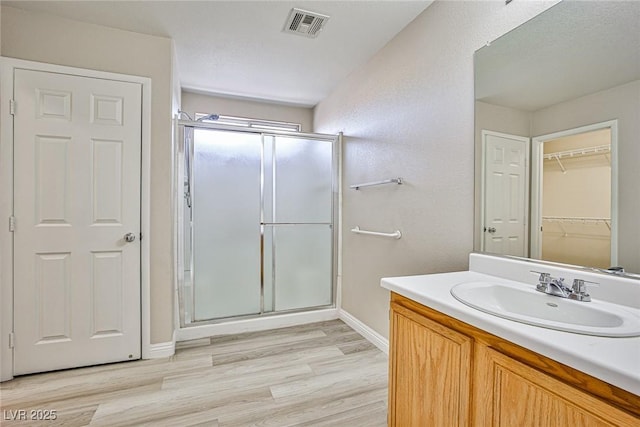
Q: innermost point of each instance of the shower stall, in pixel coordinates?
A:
(257, 233)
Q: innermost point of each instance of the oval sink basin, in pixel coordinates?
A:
(526, 305)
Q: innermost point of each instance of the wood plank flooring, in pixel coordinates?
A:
(321, 374)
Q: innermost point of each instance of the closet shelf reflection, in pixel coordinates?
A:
(578, 152)
(560, 220)
(576, 219)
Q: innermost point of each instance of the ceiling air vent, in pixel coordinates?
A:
(305, 23)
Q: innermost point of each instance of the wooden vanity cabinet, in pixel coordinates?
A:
(430, 372)
(444, 372)
(510, 393)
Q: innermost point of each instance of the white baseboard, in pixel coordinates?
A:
(372, 336)
(160, 350)
(255, 324)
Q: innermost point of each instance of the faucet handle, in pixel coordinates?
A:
(580, 285)
(579, 290)
(544, 277)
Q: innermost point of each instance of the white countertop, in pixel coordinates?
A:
(613, 360)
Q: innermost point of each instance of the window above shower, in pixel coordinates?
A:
(249, 123)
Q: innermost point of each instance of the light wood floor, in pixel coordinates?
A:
(322, 374)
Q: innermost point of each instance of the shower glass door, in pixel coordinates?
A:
(262, 224)
(226, 223)
(298, 223)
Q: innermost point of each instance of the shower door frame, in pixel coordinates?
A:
(179, 249)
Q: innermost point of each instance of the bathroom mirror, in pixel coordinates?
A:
(557, 137)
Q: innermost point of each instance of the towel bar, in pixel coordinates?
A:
(396, 234)
(370, 184)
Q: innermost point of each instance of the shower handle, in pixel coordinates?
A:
(129, 237)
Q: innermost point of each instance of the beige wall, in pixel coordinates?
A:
(501, 119)
(409, 112)
(45, 38)
(200, 103)
(176, 90)
(621, 103)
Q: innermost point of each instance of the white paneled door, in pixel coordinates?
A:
(77, 145)
(505, 194)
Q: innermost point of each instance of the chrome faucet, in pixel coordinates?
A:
(555, 286)
(551, 285)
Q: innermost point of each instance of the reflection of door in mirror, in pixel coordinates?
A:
(504, 193)
(573, 204)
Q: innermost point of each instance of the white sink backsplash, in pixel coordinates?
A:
(611, 288)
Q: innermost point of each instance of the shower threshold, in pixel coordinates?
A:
(255, 322)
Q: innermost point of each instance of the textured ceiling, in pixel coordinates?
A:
(573, 49)
(238, 47)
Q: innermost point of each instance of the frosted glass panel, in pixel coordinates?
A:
(226, 224)
(302, 266)
(268, 185)
(303, 187)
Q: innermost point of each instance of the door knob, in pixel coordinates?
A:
(491, 230)
(129, 237)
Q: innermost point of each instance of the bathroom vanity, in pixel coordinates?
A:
(454, 365)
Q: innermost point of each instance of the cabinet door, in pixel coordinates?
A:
(430, 373)
(509, 393)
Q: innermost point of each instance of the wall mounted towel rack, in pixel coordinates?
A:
(396, 234)
(370, 184)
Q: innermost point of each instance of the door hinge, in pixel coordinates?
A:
(11, 339)
(12, 223)
(140, 236)
(12, 107)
